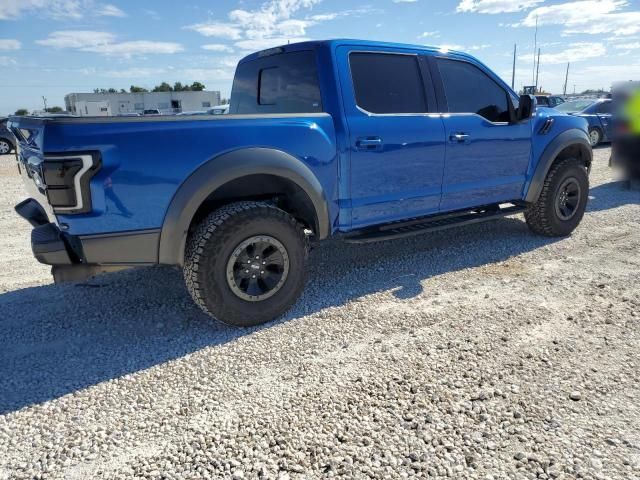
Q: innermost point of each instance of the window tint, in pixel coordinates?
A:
(604, 107)
(470, 90)
(387, 83)
(282, 83)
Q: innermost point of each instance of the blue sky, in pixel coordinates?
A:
(53, 47)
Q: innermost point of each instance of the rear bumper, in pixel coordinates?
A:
(52, 246)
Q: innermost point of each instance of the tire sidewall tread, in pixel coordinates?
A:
(541, 216)
(211, 244)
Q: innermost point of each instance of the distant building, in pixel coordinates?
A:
(111, 104)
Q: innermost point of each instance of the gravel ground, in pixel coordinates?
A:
(481, 352)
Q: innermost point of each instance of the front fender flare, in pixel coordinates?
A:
(566, 139)
(220, 170)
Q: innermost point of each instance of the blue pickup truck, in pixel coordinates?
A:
(363, 140)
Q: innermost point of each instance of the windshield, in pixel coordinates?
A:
(574, 106)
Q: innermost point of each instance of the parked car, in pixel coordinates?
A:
(549, 100)
(194, 112)
(151, 111)
(219, 110)
(7, 140)
(364, 141)
(597, 112)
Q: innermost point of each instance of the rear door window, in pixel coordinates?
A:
(281, 83)
(469, 90)
(387, 83)
(604, 107)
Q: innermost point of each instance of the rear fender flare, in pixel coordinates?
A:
(225, 168)
(566, 139)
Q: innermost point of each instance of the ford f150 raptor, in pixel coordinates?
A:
(363, 140)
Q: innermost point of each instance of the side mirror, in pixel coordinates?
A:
(526, 107)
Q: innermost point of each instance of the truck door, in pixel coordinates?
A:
(396, 155)
(487, 154)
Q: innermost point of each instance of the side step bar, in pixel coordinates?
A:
(431, 224)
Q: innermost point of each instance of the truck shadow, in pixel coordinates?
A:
(58, 339)
(612, 195)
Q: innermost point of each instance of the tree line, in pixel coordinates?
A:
(163, 87)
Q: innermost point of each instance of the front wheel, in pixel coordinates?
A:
(562, 201)
(245, 263)
(595, 136)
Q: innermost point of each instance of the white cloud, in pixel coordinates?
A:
(217, 47)
(435, 34)
(137, 47)
(495, 6)
(271, 24)
(587, 17)
(9, 44)
(217, 29)
(627, 46)
(404, 1)
(110, 11)
(77, 39)
(576, 52)
(105, 43)
(57, 9)
(6, 61)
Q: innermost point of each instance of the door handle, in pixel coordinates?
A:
(459, 137)
(369, 143)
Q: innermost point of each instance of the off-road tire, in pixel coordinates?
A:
(542, 217)
(212, 244)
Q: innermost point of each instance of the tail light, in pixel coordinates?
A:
(66, 180)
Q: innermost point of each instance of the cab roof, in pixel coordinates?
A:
(313, 44)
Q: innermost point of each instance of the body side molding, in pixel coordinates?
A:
(225, 168)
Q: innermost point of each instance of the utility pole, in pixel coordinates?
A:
(44, 100)
(535, 46)
(566, 77)
(537, 70)
(574, 88)
(513, 73)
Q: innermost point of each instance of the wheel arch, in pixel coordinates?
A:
(251, 173)
(573, 143)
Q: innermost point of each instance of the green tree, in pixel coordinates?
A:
(54, 110)
(135, 89)
(178, 87)
(22, 111)
(163, 87)
(197, 87)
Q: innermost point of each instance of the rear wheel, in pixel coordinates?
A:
(562, 202)
(245, 263)
(595, 136)
(5, 146)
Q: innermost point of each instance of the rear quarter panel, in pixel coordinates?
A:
(144, 162)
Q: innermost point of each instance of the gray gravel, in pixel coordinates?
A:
(482, 352)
